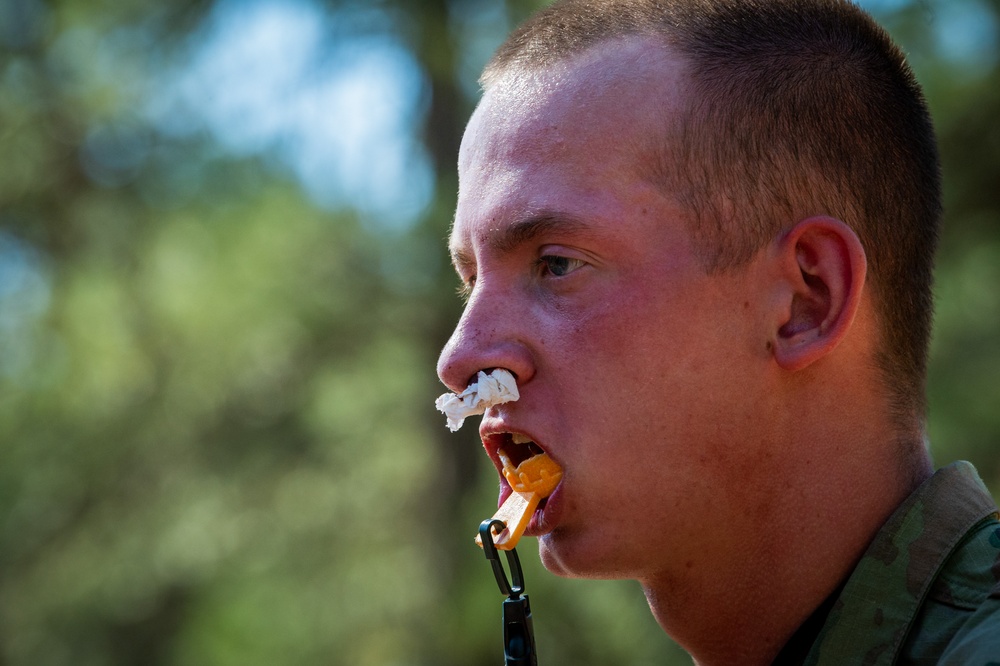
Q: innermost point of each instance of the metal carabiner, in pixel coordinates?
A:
(518, 632)
(490, 549)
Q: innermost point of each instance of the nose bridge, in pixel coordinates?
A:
(487, 336)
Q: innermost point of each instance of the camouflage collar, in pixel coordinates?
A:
(872, 617)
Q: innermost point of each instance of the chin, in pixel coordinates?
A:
(573, 558)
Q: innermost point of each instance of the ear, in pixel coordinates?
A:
(822, 267)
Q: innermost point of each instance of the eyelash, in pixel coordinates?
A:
(543, 263)
(465, 289)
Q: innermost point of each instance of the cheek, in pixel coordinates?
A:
(640, 336)
(657, 377)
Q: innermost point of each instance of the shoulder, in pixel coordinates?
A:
(927, 590)
(959, 621)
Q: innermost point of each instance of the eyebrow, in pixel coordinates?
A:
(501, 240)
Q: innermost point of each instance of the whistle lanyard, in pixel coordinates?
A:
(518, 636)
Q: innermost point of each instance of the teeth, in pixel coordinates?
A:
(518, 438)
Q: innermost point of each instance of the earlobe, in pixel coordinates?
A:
(822, 266)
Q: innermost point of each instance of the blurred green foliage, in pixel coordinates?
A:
(217, 444)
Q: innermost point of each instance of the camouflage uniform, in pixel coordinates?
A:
(927, 591)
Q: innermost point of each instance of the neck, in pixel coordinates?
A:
(780, 559)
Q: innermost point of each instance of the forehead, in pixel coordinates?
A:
(572, 138)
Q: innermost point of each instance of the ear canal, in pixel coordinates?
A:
(810, 309)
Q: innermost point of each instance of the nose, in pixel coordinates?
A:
(493, 332)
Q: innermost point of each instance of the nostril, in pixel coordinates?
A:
(491, 370)
(473, 349)
(488, 390)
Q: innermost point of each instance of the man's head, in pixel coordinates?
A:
(679, 287)
(794, 109)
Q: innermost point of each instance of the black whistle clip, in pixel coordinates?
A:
(518, 635)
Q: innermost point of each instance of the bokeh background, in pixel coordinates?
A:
(223, 286)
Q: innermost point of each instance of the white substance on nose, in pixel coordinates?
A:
(493, 389)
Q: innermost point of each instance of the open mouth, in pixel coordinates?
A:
(527, 468)
(516, 449)
(530, 476)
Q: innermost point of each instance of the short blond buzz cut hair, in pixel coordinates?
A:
(798, 108)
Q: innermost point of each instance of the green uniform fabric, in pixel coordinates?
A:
(927, 591)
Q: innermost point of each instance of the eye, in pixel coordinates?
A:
(465, 288)
(560, 266)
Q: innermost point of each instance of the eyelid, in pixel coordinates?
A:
(575, 257)
(567, 251)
